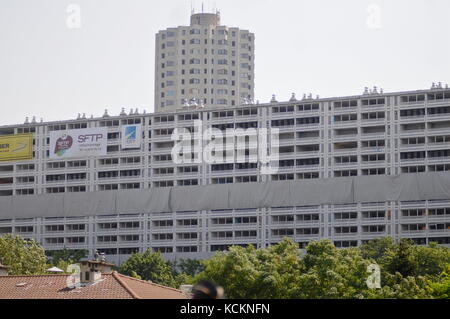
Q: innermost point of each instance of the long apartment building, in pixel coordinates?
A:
(204, 63)
(328, 138)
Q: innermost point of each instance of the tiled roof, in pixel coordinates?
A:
(111, 286)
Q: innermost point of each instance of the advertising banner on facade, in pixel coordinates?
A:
(16, 147)
(131, 136)
(78, 143)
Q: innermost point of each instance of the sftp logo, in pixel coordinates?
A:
(89, 138)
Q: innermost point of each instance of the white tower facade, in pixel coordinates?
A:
(203, 64)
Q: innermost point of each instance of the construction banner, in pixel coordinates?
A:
(78, 143)
(16, 147)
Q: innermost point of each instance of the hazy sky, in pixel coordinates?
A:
(332, 48)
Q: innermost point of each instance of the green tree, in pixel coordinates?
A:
(149, 266)
(441, 288)
(376, 249)
(325, 271)
(190, 267)
(70, 256)
(23, 257)
(431, 260)
(255, 273)
(329, 272)
(401, 258)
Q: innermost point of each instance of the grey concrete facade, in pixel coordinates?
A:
(368, 134)
(205, 61)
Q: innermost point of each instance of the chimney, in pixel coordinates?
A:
(91, 270)
(3, 270)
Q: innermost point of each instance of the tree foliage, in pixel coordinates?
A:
(441, 288)
(149, 266)
(280, 271)
(23, 257)
(70, 256)
(189, 267)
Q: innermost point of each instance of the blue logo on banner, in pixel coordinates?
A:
(130, 133)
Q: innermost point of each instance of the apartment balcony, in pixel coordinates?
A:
(275, 210)
(413, 147)
(413, 232)
(126, 242)
(282, 115)
(309, 113)
(188, 241)
(438, 160)
(308, 140)
(412, 104)
(350, 151)
(287, 155)
(189, 175)
(246, 118)
(345, 138)
(375, 220)
(54, 245)
(350, 165)
(444, 231)
(162, 241)
(10, 174)
(374, 235)
(372, 122)
(438, 117)
(344, 124)
(113, 141)
(344, 110)
(162, 150)
(371, 135)
(439, 130)
(163, 229)
(302, 154)
(412, 119)
(412, 133)
(107, 244)
(307, 223)
(313, 126)
(345, 235)
(188, 227)
(162, 163)
(371, 150)
(222, 227)
(287, 142)
(282, 129)
(413, 160)
(307, 236)
(307, 168)
(442, 102)
(281, 237)
(26, 183)
(161, 138)
(376, 107)
(373, 164)
(339, 208)
(345, 222)
(437, 146)
(163, 124)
